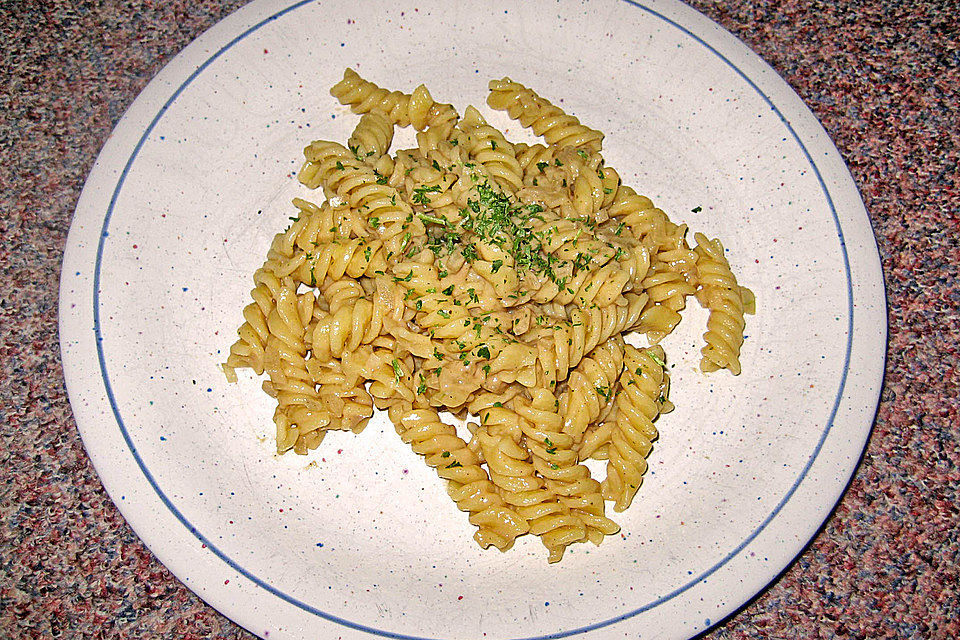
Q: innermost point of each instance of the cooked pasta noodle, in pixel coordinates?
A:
(492, 280)
(644, 386)
(727, 302)
(556, 127)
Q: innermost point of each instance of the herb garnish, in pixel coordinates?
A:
(420, 194)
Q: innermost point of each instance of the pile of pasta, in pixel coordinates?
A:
(493, 282)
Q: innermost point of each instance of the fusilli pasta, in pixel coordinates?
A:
(492, 280)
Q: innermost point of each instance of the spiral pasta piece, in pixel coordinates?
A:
(499, 437)
(724, 298)
(248, 350)
(468, 482)
(417, 109)
(556, 127)
(371, 138)
(323, 159)
(487, 146)
(301, 414)
(591, 387)
(555, 523)
(644, 386)
(556, 461)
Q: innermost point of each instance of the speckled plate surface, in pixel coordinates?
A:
(359, 539)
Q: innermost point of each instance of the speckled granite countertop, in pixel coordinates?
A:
(883, 77)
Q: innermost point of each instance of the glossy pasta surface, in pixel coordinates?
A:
(492, 281)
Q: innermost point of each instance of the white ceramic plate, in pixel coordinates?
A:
(359, 539)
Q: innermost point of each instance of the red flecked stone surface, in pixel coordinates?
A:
(882, 75)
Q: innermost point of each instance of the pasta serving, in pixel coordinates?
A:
(489, 280)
